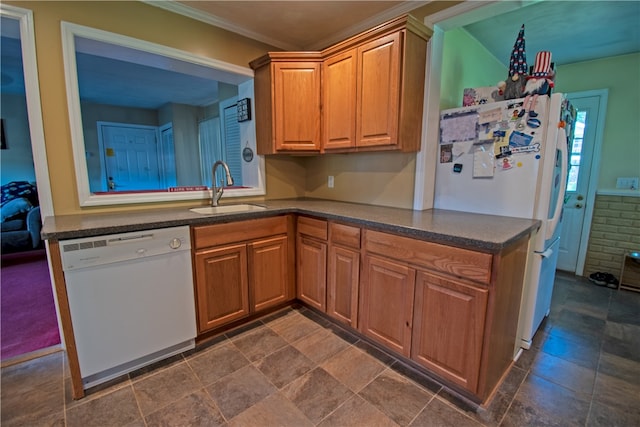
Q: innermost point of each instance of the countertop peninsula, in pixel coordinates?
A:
(481, 232)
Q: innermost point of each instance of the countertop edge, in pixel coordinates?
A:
(184, 218)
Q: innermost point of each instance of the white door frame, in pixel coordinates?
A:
(603, 94)
(34, 108)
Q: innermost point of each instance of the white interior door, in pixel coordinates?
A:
(131, 157)
(167, 157)
(581, 160)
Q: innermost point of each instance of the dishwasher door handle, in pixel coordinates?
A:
(130, 239)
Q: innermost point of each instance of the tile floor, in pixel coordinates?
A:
(296, 369)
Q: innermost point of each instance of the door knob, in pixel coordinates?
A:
(578, 205)
(580, 197)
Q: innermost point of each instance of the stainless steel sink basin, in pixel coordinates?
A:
(213, 210)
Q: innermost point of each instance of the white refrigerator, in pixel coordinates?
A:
(497, 159)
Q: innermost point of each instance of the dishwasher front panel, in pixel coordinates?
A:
(131, 313)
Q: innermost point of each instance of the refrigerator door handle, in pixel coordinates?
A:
(546, 254)
(561, 144)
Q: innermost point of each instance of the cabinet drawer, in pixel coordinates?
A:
(219, 234)
(345, 235)
(312, 227)
(459, 262)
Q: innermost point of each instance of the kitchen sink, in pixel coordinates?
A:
(213, 210)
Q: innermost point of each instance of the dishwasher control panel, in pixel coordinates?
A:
(97, 250)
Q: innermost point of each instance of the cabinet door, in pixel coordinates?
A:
(296, 106)
(449, 328)
(386, 303)
(221, 285)
(339, 101)
(312, 272)
(268, 272)
(378, 95)
(343, 272)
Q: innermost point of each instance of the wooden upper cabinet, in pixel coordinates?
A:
(297, 106)
(378, 93)
(287, 93)
(371, 98)
(339, 101)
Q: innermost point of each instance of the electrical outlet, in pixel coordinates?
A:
(330, 181)
(627, 183)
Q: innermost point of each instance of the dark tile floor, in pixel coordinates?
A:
(295, 369)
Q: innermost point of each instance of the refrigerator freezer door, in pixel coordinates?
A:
(536, 299)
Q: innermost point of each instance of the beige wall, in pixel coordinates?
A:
(134, 19)
(377, 178)
(372, 178)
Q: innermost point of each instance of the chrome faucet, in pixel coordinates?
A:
(216, 192)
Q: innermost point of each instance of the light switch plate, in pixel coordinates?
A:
(330, 181)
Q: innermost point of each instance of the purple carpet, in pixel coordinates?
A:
(28, 314)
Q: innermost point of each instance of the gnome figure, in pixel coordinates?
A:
(514, 85)
(539, 82)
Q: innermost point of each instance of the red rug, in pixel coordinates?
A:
(28, 319)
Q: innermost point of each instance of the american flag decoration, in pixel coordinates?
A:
(542, 66)
(518, 61)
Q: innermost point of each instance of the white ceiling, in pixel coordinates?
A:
(293, 25)
(574, 31)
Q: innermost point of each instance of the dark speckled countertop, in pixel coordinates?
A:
(486, 233)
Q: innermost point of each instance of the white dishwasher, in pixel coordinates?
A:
(131, 299)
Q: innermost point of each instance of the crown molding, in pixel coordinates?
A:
(207, 18)
(401, 9)
(193, 13)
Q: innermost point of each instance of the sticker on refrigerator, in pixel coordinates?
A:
(533, 148)
(519, 139)
(505, 163)
(490, 116)
(459, 127)
(446, 156)
(483, 163)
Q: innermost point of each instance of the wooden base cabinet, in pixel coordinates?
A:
(221, 285)
(386, 303)
(268, 272)
(241, 268)
(448, 328)
(343, 273)
(463, 325)
(312, 262)
(312, 272)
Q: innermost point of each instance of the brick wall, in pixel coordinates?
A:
(615, 230)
